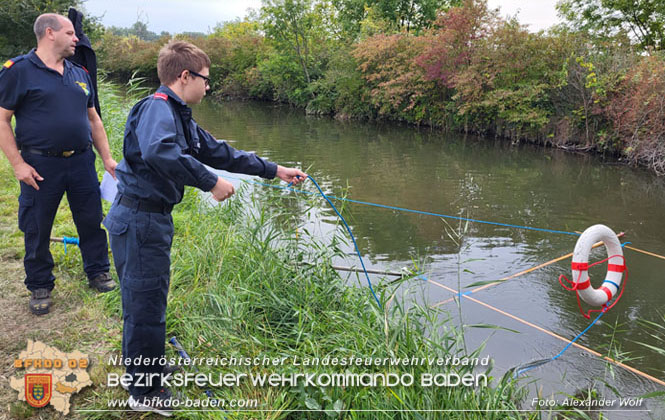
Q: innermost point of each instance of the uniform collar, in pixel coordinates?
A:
(32, 56)
(167, 91)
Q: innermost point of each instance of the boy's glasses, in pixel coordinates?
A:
(205, 79)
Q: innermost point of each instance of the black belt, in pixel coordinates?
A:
(53, 153)
(144, 205)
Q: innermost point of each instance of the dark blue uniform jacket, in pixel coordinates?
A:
(160, 157)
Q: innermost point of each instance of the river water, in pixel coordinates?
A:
(491, 180)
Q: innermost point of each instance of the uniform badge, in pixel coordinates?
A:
(38, 389)
(84, 86)
(8, 64)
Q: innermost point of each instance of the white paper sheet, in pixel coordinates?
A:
(109, 187)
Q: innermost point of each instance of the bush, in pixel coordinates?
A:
(637, 113)
(125, 56)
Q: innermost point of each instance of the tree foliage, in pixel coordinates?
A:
(455, 38)
(17, 18)
(401, 15)
(397, 85)
(637, 113)
(294, 25)
(644, 20)
(467, 69)
(139, 29)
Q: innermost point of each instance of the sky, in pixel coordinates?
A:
(176, 16)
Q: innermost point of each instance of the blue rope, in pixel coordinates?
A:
(183, 353)
(348, 229)
(67, 240)
(426, 213)
(535, 365)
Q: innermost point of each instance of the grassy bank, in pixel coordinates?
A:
(237, 291)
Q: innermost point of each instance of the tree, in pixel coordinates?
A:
(300, 29)
(644, 20)
(289, 22)
(405, 15)
(414, 15)
(636, 111)
(17, 18)
(139, 29)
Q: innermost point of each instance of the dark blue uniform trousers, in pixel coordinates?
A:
(141, 245)
(77, 177)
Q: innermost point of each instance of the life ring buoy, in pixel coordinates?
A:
(615, 265)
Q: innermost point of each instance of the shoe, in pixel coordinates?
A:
(40, 302)
(102, 283)
(157, 401)
(168, 369)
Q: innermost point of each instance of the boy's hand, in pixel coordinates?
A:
(222, 190)
(290, 175)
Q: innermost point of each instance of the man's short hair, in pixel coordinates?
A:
(47, 20)
(177, 56)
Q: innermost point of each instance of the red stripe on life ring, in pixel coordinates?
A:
(616, 268)
(582, 286)
(579, 266)
(161, 96)
(607, 292)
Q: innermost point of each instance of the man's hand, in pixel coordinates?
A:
(222, 190)
(109, 165)
(27, 174)
(290, 175)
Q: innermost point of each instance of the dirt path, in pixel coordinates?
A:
(78, 319)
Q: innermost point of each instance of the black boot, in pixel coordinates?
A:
(40, 302)
(102, 283)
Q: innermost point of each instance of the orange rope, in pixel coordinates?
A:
(483, 287)
(638, 250)
(644, 252)
(595, 353)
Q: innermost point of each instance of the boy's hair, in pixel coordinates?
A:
(177, 56)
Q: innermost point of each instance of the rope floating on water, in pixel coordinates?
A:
(550, 333)
(529, 270)
(384, 206)
(625, 245)
(645, 252)
(518, 372)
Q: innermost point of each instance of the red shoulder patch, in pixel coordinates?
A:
(161, 96)
(8, 64)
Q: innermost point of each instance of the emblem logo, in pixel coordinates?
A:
(38, 389)
(84, 86)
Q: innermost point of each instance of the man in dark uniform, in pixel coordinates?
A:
(56, 124)
(164, 150)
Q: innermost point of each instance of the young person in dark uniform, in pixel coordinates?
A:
(164, 150)
(56, 124)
